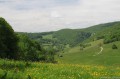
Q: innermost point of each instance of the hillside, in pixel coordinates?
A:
(73, 37)
(100, 27)
(94, 54)
(92, 45)
(97, 49)
(80, 46)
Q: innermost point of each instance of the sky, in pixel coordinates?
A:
(52, 15)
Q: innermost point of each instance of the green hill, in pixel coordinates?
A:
(92, 54)
(100, 27)
(82, 45)
(71, 37)
(109, 32)
(100, 47)
(75, 36)
(93, 40)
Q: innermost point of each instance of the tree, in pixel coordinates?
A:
(50, 55)
(114, 46)
(30, 50)
(8, 41)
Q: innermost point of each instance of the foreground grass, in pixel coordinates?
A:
(26, 70)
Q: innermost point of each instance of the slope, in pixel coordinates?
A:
(89, 55)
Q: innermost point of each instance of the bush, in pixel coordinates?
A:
(114, 46)
(29, 50)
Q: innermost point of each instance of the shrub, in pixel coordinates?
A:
(114, 46)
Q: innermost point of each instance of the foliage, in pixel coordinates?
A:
(110, 33)
(31, 50)
(19, 46)
(70, 36)
(100, 28)
(61, 38)
(39, 70)
(107, 31)
(8, 41)
(84, 45)
(50, 55)
(114, 46)
(35, 35)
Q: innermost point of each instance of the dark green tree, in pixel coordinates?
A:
(30, 50)
(50, 55)
(8, 41)
(114, 46)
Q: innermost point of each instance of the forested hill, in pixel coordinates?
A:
(100, 27)
(64, 36)
(73, 37)
(110, 32)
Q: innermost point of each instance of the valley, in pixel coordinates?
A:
(89, 53)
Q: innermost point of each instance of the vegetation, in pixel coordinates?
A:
(8, 41)
(92, 55)
(20, 47)
(36, 70)
(110, 33)
(31, 50)
(72, 53)
(114, 46)
(73, 37)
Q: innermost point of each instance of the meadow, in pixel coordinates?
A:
(10, 69)
(89, 55)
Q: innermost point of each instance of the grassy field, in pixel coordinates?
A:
(89, 55)
(26, 70)
(75, 64)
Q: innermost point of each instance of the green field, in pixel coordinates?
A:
(89, 55)
(10, 69)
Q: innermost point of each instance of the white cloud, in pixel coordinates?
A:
(48, 15)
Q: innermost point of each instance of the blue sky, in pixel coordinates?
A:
(50, 15)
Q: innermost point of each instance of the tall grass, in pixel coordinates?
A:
(10, 69)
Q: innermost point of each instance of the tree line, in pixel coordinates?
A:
(21, 47)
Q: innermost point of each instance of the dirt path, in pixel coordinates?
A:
(101, 49)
